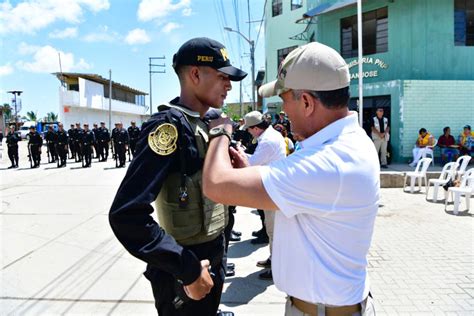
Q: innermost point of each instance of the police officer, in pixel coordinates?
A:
(103, 139)
(12, 144)
(34, 147)
(113, 134)
(121, 141)
(61, 145)
(78, 135)
(167, 168)
(50, 138)
(71, 136)
(133, 133)
(95, 130)
(282, 120)
(88, 140)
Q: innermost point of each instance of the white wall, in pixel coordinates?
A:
(90, 116)
(91, 94)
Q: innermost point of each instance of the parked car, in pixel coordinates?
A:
(25, 129)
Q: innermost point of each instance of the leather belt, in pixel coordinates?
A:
(312, 309)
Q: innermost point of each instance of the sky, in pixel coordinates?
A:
(93, 36)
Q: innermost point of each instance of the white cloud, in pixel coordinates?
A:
(171, 26)
(153, 9)
(27, 49)
(187, 12)
(33, 15)
(137, 36)
(102, 35)
(46, 59)
(5, 70)
(69, 32)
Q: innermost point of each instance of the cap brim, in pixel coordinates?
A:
(235, 74)
(272, 88)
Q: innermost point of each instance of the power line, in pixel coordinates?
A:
(261, 22)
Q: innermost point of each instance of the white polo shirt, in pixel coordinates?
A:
(271, 147)
(328, 195)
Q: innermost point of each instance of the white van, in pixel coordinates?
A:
(25, 129)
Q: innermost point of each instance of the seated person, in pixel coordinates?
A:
(449, 149)
(466, 141)
(423, 146)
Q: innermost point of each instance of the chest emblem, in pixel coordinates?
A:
(163, 139)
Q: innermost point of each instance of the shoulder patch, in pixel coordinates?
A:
(163, 139)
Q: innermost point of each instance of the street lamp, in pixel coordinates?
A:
(252, 60)
(15, 93)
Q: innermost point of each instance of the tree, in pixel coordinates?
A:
(6, 110)
(51, 117)
(32, 116)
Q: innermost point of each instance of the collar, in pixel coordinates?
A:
(180, 107)
(345, 125)
(261, 135)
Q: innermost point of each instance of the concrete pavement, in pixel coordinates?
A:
(59, 256)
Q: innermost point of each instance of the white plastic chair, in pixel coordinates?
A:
(466, 188)
(419, 173)
(448, 173)
(462, 161)
(431, 152)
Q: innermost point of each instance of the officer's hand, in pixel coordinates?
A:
(202, 286)
(238, 157)
(224, 122)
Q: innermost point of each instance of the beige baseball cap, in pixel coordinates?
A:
(252, 118)
(313, 66)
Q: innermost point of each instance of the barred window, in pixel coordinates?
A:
(296, 4)
(277, 7)
(464, 23)
(374, 37)
(282, 53)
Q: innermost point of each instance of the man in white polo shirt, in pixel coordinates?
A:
(270, 147)
(327, 193)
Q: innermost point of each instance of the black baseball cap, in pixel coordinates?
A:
(203, 51)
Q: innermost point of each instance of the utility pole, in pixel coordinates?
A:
(110, 99)
(153, 71)
(15, 93)
(252, 60)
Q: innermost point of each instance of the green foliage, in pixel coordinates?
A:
(32, 116)
(51, 117)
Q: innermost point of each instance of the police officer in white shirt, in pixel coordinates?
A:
(326, 193)
(270, 147)
(380, 135)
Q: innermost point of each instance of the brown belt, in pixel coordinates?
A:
(312, 309)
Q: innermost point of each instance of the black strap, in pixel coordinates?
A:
(182, 158)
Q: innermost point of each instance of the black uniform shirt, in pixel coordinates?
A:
(72, 134)
(103, 135)
(61, 138)
(130, 212)
(133, 132)
(35, 139)
(12, 139)
(50, 136)
(121, 136)
(79, 135)
(88, 137)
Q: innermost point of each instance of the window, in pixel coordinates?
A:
(296, 4)
(73, 87)
(282, 53)
(374, 37)
(277, 7)
(464, 23)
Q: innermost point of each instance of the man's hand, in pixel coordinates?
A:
(224, 122)
(202, 286)
(238, 157)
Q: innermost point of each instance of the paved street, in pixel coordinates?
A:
(59, 256)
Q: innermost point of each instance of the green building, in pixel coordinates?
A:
(418, 60)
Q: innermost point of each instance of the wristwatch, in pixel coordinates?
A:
(219, 131)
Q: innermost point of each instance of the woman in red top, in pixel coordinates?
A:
(449, 149)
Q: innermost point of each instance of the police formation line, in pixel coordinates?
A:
(79, 143)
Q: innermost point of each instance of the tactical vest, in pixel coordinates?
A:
(199, 220)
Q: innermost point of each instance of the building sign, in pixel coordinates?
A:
(369, 73)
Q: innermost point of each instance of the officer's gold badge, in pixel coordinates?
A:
(163, 139)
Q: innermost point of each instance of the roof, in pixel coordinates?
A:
(97, 78)
(327, 7)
